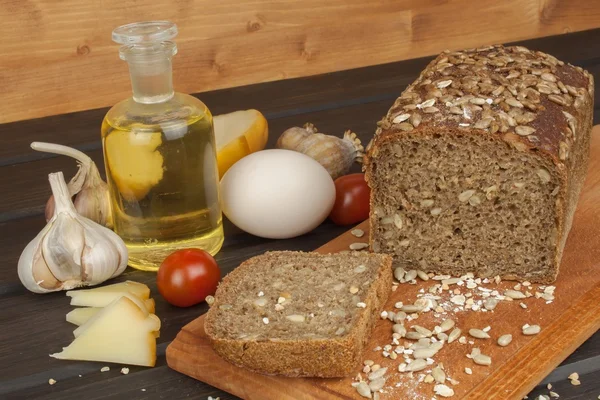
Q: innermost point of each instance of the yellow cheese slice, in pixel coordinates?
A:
(80, 316)
(121, 333)
(139, 303)
(238, 134)
(102, 296)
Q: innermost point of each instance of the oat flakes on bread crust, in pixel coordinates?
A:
(482, 160)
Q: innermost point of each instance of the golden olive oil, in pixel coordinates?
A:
(163, 181)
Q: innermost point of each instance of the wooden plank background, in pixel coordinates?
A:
(58, 57)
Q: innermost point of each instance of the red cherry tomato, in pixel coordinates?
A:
(351, 200)
(187, 276)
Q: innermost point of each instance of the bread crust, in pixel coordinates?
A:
(556, 97)
(325, 358)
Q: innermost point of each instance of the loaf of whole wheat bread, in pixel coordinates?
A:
(477, 167)
(299, 314)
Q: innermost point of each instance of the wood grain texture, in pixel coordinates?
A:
(566, 323)
(286, 98)
(58, 56)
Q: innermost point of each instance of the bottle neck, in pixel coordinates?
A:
(151, 80)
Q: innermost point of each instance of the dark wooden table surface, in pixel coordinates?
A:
(33, 326)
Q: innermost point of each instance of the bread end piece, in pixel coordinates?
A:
(478, 166)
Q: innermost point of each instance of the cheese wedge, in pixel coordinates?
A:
(121, 333)
(79, 316)
(90, 322)
(238, 134)
(102, 296)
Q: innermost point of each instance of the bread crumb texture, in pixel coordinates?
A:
(320, 310)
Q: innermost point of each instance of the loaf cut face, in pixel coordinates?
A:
(478, 166)
(299, 314)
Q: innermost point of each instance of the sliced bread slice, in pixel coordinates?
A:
(299, 314)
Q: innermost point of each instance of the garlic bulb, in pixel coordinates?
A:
(335, 154)
(71, 251)
(90, 191)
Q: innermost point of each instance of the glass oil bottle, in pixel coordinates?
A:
(160, 155)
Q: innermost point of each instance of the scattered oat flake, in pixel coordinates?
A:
(104, 369)
(574, 375)
(575, 382)
(468, 371)
(124, 370)
(531, 330)
(51, 381)
(358, 246)
(363, 389)
(358, 233)
(443, 390)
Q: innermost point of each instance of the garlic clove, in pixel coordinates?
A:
(121, 250)
(103, 251)
(93, 202)
(62, 247)
(32, 269)
(42, 274)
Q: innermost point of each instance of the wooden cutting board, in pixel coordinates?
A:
(566, 323)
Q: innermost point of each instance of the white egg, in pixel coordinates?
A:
(277, 194)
